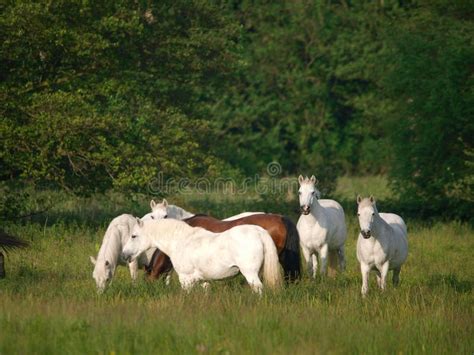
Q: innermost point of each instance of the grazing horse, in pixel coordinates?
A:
(198, 254)
(8, 242)
(322, 228)
(382, 244)
(109, 257)
(282, 230)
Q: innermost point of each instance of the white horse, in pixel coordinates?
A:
(165, 210)
(199, 255)
(322, 228)
(382, 244)
(109, 257)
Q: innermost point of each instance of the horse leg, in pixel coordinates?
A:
(396, 276)
(307, 259)
(133, 267)
(314, 259)
(365, 270)
(383, 275)
(187, 282)
(342, 258)
(323, 254)
(379, 277)
(168, 279)
(253, 280)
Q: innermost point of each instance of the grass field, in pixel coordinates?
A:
(48, 302)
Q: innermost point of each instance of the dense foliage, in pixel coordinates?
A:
(98, 95)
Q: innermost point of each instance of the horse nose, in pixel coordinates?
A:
(305, 209)
(365, 233)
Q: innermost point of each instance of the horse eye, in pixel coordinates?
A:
(165, 217)
(358, 214)
(373, 213)
(134, 236)
(152, 217)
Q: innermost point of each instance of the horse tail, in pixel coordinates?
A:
(332, 262)
(8, 242)
(290, 256)
(271, 267)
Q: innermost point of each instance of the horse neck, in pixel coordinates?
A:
(168, 237)
(180, 213)
(316, 208)
(380, 226)
(111, 246)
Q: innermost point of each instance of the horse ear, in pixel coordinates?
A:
(152, 204)
(359, 199)
(92, 259)
(300, 179)
(165, 203)
(313, 179)
(372, 199)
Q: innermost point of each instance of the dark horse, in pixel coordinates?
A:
(8, 242)
(282, 230)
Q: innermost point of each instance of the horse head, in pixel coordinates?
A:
(158, 210)
(307, 193)
(366, 213)
(137, 243)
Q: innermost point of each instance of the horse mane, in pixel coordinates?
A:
(9, 242)
(180, 213)
(172, 227)
(109, 251)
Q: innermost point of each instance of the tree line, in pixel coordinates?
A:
(99, 95)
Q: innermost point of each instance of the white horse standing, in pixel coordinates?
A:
(199, 255)
(382, 244)
(322, 228)
(165, 210)
(109, 257)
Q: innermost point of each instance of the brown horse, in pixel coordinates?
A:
(8, 242)
(282, 230)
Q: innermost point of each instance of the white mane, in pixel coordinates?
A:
(111, 248)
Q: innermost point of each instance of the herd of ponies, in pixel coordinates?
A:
(200, 248)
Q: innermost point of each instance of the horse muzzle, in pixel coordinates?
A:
(366, 234)
(127, 257)
(305, 209)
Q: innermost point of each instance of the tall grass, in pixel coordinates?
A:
(48, 302)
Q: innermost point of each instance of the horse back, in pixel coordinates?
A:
(272, 223)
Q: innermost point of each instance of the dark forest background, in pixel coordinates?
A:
(104, 95)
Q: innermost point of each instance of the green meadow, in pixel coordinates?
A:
(49, 305)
